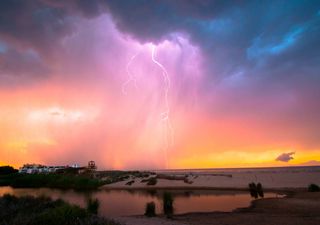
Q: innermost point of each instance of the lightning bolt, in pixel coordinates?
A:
(131, 76)
(165, 115)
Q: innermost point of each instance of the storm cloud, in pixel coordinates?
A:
(265, 42)
(246, 68)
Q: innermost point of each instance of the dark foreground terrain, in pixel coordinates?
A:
(44, 211)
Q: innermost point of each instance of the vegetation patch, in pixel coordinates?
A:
(152, 181)
(5, 170)
(313, 188)
(49, 180)
(150, 209)
(38, 211)
(167, 201)
(256, 190)
(93, 205)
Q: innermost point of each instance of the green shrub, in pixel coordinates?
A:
(167, 200)
(150, 209)
(93, 206)
(313, 188)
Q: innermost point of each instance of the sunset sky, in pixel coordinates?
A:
(150, 84)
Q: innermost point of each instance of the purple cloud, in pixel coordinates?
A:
(285, 157)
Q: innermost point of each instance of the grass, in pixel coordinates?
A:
(49, 180)
(150, 209)
(167, 201)
(38, 211)
(93, 205)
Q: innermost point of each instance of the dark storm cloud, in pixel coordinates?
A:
(32, 24)
(155, 20)
(236, 36)
(269, 42)
(41, 24)
(31, 33)
(263, 55)
(16, 66)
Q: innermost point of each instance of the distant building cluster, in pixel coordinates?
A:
(38, 168)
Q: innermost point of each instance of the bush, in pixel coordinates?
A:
(152, 181)
(93, 206)
(313, 188)
(5, 170)
(62, 214)
(49, 180)
(39, 211)
(260, 190)
(150, 209)
(253, 190)
(256, 190)
(167, 204)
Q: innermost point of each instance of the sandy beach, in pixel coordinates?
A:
(271, 179)
(297, 209)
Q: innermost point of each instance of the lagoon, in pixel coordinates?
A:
(115, 203)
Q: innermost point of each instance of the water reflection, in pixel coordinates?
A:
(122, 202)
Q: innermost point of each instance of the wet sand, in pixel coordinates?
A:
(298, 208)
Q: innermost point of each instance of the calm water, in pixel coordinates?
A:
(291, 169)
(122, 203)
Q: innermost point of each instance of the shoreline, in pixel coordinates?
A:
(297, 208)
(273, 180)
(241, 189)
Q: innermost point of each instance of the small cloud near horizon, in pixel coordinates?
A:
(311, 163)
(285, 157)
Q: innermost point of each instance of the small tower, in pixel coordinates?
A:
(92, 165)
